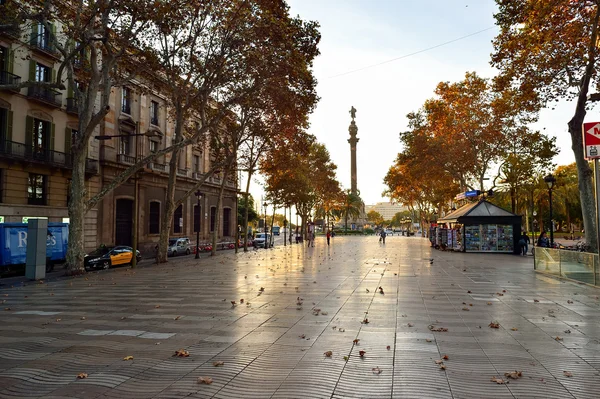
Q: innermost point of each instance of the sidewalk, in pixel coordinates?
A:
(300, 303)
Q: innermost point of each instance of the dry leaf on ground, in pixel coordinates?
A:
(494, 324)
(328, 354)
(218, 363)
(128, 358)
(376, 370)
(81, 376)
(157, 306)
(515, 375)
(205, 380)
(445, 357)
(362, 353)
(356, 341)
(181, 353)
(568, 374)
(442, 366)
(558, 339)
(514, 329)
(498, 380)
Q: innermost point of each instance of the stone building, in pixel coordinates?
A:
(35, 161)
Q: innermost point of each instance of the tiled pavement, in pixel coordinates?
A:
(272, 347)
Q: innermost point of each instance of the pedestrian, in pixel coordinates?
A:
(328, 236)
(382, 236)
(543, 240)
(524, 242)
(291, 234)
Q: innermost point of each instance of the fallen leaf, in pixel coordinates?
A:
(489, 303)
(376, 370)
(558, 338)
(128, 358)
(181, 353)
(499, 294)
(567, 331)
(302, 336)
(466, 309)
(233, 303)
(328, 353)
(410, 324)
(242, 300)
(494, 324)
(81, 376)
(442, 366)
(262, 289)
(440, 361)
(569, 301)
(346, 358)
(497, 380)
(514, 329)
(437, 329)
(445, 357)
(356, 341)
(157, 306)
(568, 374)
(218, 363)
(362, 353)
(388, 347)
(535, 300)
(515, 375)
(205, 380)
(177, 318)
(503, 290)
(468, 292)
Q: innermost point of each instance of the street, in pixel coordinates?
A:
(357, 319)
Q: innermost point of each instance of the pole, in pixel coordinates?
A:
(597, 184)
(198, 229)
(551, 222)
(135, 203)
(285, 226)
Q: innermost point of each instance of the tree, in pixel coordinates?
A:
(546, 67)
(375, 217)
(246, 210)
(352, 207)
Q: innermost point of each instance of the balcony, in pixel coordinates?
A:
(126, 159)
(72, 106)
(22, 152)
(182, 172)
(197, 175)
(159, 167)
(46, 96)
(43, 44)
(7, 78)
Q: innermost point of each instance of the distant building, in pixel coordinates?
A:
(386, 209)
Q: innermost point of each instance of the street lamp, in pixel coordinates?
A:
(550, 181)
(198, 195)
(149, 133)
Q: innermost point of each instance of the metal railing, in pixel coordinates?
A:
(182, 172)
(160, 167)
(7, 78)
(20, 151)
(72, 105)
(47, 96)
(574, 265)
(43, 43)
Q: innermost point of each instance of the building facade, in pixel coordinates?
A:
(36, 127)
(386, 209)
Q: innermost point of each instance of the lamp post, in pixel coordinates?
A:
(198, 195)
(149, 133)
(550, 181)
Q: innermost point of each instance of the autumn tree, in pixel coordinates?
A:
(548, 50)
(374, 217)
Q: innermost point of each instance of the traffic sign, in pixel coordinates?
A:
(591, 140)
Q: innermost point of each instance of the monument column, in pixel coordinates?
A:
(353, 140)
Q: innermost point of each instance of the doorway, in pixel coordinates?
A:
(124, 222)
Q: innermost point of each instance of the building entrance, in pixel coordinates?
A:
(124, 222)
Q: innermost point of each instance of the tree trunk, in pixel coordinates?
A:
(215, 234)
(76, 209)
(246, 196)
(167, 218)
(272, 222)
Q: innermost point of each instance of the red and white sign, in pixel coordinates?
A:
(591, 140)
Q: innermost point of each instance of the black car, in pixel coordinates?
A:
(105, 257)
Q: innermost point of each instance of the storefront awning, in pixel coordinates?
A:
(481, 212)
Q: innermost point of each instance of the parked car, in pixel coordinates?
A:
(104, 257)
(389, 232)
(262, 240)
(179, 246)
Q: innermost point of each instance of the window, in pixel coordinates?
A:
(1, 185)
(154, 217)
(196, 164)
(125, 145)
(197, 216)
(154, 113)
(213, 218)
(126, 100)
(42, 73)
(226, 221)
(36, 189)
(153, 146)
(41, 135)
(178, 219)
(43, 37)
(3, 58)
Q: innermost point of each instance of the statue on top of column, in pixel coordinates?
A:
(353, 112)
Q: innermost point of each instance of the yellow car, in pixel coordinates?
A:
(105, 257)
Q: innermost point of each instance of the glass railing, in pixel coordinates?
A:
(574, 265)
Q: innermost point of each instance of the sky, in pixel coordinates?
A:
(358, 35)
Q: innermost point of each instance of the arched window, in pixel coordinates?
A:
(178, 220)
(154, 218)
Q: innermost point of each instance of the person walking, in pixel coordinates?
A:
(291, 234)
(543, 240)
(328, 236)
(383, 235)
(524, 242)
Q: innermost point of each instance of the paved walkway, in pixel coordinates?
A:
(298, 304)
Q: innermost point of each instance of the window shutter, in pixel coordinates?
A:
(32, 65)
(53, 74)
(10, 62)
(34, 33)
(52, 136)
(68, 133)
(9, 125)
(28, 133)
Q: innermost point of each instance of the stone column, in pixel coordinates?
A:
(353, 141)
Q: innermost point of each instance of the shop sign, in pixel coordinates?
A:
(468, 194)
(591, 140)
